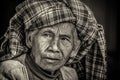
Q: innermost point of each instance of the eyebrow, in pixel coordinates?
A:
(60, 35)
(48, 30)
(66, 35)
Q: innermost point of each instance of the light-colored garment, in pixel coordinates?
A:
(34, 14)
(14, 70)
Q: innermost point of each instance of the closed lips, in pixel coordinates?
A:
(51, 58)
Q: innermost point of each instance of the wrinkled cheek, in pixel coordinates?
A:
(36, 53)
(39, 47)
(66, 50)
(43, 45)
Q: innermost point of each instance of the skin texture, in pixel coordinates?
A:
(52, 46)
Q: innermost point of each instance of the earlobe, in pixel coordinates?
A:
(76, 48)
(74, 51)
(29, 37)
(28, 41)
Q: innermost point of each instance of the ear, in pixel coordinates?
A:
(29, 38)
(75, 50)
(76, 46)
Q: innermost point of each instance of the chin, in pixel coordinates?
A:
(51, 68)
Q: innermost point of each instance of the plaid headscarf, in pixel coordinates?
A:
(34, 14)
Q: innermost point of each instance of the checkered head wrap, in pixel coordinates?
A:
(34, 14)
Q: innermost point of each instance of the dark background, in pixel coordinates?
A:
(106, 13)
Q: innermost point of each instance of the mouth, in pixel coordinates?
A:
(51, 60)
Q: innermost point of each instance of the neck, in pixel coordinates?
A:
(35, 69)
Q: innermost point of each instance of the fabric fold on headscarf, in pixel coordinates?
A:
(93, 43)
(31, 15)
(34, 14)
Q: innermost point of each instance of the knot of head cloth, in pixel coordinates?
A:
(33, 14)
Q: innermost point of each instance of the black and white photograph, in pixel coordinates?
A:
(59, 40)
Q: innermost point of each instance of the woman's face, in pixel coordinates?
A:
(52, 46)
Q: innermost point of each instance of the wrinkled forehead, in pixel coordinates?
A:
(60, 28)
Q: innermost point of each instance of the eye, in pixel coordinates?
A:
(65, 38)
(47, 35)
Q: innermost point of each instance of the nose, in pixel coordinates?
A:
(54, 46)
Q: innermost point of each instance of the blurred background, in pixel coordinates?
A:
(106, 13)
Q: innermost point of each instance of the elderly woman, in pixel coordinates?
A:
(53, 40)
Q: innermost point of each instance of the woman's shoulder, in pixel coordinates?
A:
(9, 65)
(13, 63)
(13, 69)
(69, 73)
